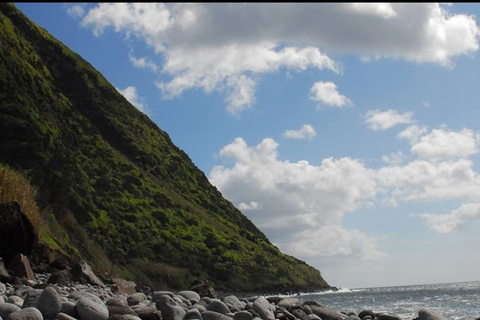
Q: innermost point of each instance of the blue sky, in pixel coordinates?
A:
(348, 133)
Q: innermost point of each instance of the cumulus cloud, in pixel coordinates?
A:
(394, 158)
(130, 93)
(412, 133)
(305, 132)
(446, 223)
(327, 93)
(299, 198)
(248, 206)
(76, 11)
(209, 45)
(443, 143)
(144, 62)
(383, 120)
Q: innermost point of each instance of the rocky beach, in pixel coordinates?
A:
(77, 293)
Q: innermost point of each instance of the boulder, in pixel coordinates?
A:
(123, 286)
(64, 316)
(136, 298)
(192, 314)
(3, 271)
(264, 308)
(32, 298)
(49, 303)
(326, 313)
(288, 302)
(218, 306)
(69, 308)
(212, 315)
(388, 317)
(147, 313)
(169, 309)
(189, 294)
(203, 288)
(365, 313)
(428, 314)
(7, 308)
(61, 277)
(83, 272)
(20, 267)
(16, 231)
(243, 315)
(91, 309)
(233, 303)
(26, 314)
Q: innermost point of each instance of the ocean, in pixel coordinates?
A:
(456, 301)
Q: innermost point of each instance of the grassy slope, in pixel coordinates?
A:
(109, 176)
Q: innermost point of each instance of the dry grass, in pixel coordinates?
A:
(15, 187)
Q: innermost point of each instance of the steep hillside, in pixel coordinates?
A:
(111, 184)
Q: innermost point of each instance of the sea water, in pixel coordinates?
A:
(456, 301)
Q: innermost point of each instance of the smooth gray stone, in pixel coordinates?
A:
(26, 314)
(49, 303)
(233, 303)
(131, 317)
(212, 315)
(169, 309)
(146, 312)
(69, 308)
(89, 309)
(206, 299)
(7, 308)
(120, 310)
(300, 314)
(352, 317)
(116, 301)
(429, 314)
(313, 303)
(218, 306)
(285, 312)
(2, 300)
(388, 317)
(157, 294)
(264, 308)
(82, 294)
(307, 309)
(288, 302)
(136, 298)
(325, 313)
(365, 313)
(23, 291)
(243, 315)
(16, 300)
(192, 314)
(199, 307)
(181, 301)
(3, 288)
(32, 298)
(123, 317)
(64, 316)
(188, 294)
(313, 316)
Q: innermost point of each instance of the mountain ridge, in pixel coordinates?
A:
(112, 186)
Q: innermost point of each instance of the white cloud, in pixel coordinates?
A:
(383, 120)
(394, 158)
(248, 206)
(442, 143)
(426, 180)
(130, 93)
(144, 63)
(209, 45)
(327, 93)
(412, 133)
(446, 223)
(305, 132)
(76, 11)
(298, 198)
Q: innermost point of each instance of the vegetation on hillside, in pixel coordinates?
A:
(112, 183)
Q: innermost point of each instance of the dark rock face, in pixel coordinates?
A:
(3, 270)
(203, 288)
(83, 272)
(16, 232)
(20, 267)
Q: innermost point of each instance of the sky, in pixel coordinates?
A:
(348, 133)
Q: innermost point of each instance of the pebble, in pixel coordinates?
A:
(91, 309)
(49, 303)
(26, 314)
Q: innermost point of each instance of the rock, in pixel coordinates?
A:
(243, 315)
(307, 309)
(124, 286)
(327, 314)
(26, 314)
(388, 317)
(16, 232)
(2, 300)
(203, 288)
(23, 292)
(264, 308)
(199, 307)
(233, 303)
(7, 308)
(64, 316)
(61, 278)
(365, 313)
(3, 271)
(285, 312)
(218, 306)
(120, 310)
(16, 300)
(69, 308)
(83, 272)
(313, 303)
(288, 302)
(192, 314)
(157, 294)
(353, 317)
(81, 294)
(169, 309)
(90, 309)
(212, 315)
(300, 314)
(20, 267)
(428, 314)
(313, 316)
(123, 317)
(136, 298)
(32, 298)
(189, 294)
(116, 301)
(49, 303)
(146, 312)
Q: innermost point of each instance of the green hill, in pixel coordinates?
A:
(111, 185)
